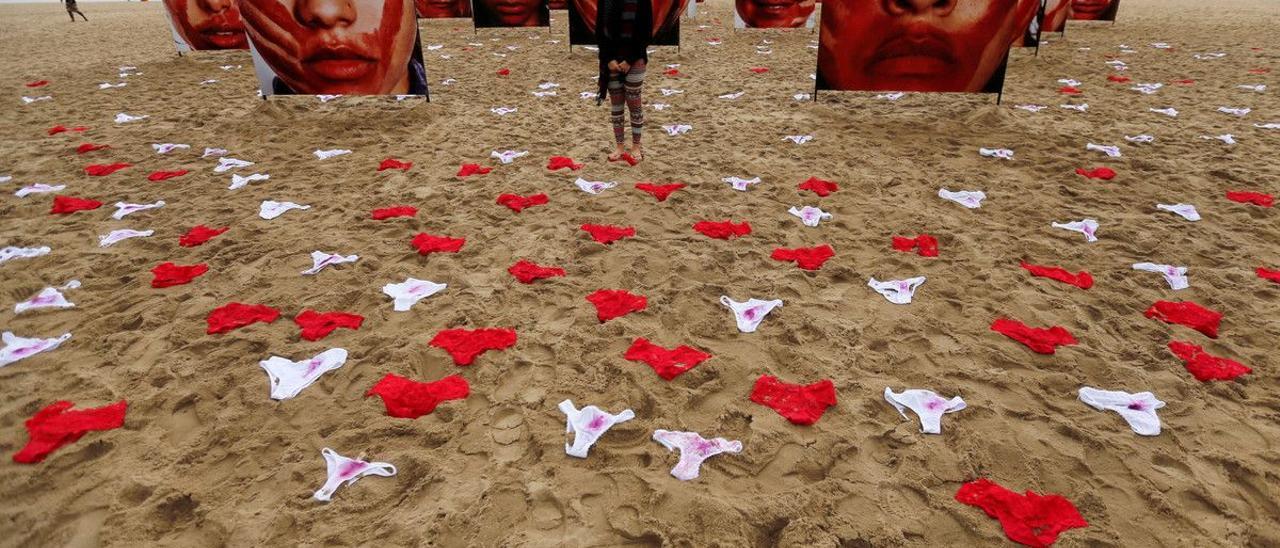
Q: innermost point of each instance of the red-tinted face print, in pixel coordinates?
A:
(665, 13)
(512, 13)
(775, 13)
(1056, 13)
(558, 4)
(1089, 9)
(441, 9)
(918, 45)
(208, 24)
(358, 47)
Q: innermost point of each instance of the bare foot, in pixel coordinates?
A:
(636, 153)
(617, 154)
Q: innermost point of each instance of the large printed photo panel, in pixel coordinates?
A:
(443, 9)
(1056, 13)
(1094, 10)
(774, 14)
(886, 45)
(200, 25)
(511, 13)
(666, 22)
(335, 47)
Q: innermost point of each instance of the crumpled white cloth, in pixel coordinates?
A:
(1110, 150)
(798, 139)
(271, 209)
(38, 188)
(407, 293)
(228, 164)
(1187, 211)
(1032, 108)
(165, 148)
(1088, 227)
(111, 238)
(891, 96)
(214, 152)
(503, 111)
(10, 253)
(809, 215)
(1081, 107)
(1139, 410)
(49, 297)
(123, 118)
(971, 199)
(1170, 112)
(238, 181)
(123, 209)
(1139, 138)
(326, 154)
(16, 348)
(1225, 138)
(677, 129)
(594, 187)
(1235, 111)
(897, 291)
(320, 260)
(1175, 275)
(1001, 153)
(926, 404)
(508, 156)
(738, 183)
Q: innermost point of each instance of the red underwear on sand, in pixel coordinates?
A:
(798, 403)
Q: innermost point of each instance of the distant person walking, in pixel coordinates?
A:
(72, 10)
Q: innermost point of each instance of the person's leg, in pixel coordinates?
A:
(635, 82)
(81, 15)
(616, 107)
(71, 15)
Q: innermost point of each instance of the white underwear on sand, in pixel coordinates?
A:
(897, 291)
(587, 425)
(1088, 227)
(345, 471)
(749, 314)
(288, 377)
(1139, 410)
(926, 404)
(407, 293)
(1175, 275)
(694, 449)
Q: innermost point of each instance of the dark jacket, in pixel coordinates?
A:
(612, 46)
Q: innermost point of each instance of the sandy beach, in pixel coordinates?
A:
(206, 458)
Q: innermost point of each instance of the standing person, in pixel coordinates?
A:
(623, 32)
(72, 10)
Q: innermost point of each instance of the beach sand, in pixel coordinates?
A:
(205, 458)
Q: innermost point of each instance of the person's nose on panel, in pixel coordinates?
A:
(325, 13)
(215, 6)
(918, 7)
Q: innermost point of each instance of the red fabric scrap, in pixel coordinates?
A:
(1040, 341)
(407, 399)
(667, 363)
(394, 211)
(820, 187)
(63, 129)
(163, 175)
(660, 192)
(722, 230)
(1104, 173)
(1206, 367)
(99, 170)
(759, 70)
(63, 205)
(808, 258)
(504, 72)
(1031, 519)
(1255, 198)
(170, 274)
(1273, 275)
(1259, 71)
(528, 272)
(560, 162)
(235, 315)
(1082, 279)
(467, 170)
(1187, 313)
(1185, 82)
(90, 147)
(466, 344)
(518, 203)
(626, 157)
(318, 325)
(615, 303)
(1118, 79)
(672, 72)
(1070, 90)
(57, 425)
(427, 244)
(392, 163)
(200, 234)
(801, 404)
(926, 245)
(607, 234)
(37, 84)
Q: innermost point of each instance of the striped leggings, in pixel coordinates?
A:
(632, 81)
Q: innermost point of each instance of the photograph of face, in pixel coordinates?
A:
(206, 24)
(666, 22)
(1056, 13)
(1094, 10)
(335, 47)
(919, 45)
(511, 13)
(442, 9)
(1031, 36)
(774, 14)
